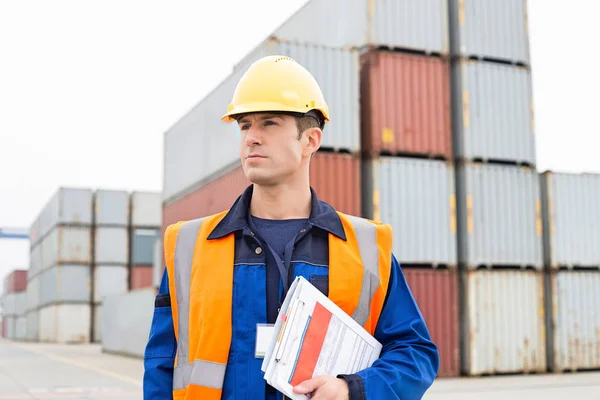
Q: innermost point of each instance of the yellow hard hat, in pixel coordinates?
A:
(277, 83)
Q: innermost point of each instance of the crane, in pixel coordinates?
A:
(14, 233)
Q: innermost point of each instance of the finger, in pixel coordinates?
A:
(309, 385)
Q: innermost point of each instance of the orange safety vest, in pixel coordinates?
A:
(201, 285)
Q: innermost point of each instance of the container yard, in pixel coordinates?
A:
(432, 131)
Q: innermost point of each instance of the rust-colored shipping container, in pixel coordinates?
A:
(141, 276)
(436, 293)
(334, 176)
(16, 281)
(405, 103)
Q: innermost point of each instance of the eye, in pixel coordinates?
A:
(244, 127)
(269, 122)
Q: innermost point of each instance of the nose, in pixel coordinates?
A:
(252, 137)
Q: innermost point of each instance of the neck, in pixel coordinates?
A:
(281, 202)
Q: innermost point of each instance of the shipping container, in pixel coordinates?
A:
(142, 245)
(35, 261)
(8, 303)
(335, 178)
(417, 198)
(110, 280)
(436, 293)
(98, 322)
(573, 321)
(492, 29)
(16, 281)
(111, 245)
(9, 327)
(492, 113)
(66, 284)
(33, 326)
(405, 103)
(20, 328)
(65, 323)
(20, 304)
(499, 216)
(571, 215)
(33, 293)
(338, 73)
(67, 245)
(126, 321)
(141, 277)
(146, 209)
(111, 207)
(502, 317)
(159, 264)
(3, 326)
(407, 24)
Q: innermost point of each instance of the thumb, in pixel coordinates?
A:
(309, 385)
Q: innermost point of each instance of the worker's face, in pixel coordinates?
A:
(270, 150)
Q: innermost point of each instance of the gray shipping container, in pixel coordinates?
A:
(573, 323)
(10, 326)
(491, 29)
(67, 245)
(417, 198)
(35, 261)
(111, 207)
(502, 320)
(142, 246)
(499, 216)
(492, 112)
(33, 293)
(571, 213)
(33, 325)
(21, 328)
(110, 280)
(338, 73)
(65, 323)
(146, 209)
(65, 284)
(416, 25)
(111, 245)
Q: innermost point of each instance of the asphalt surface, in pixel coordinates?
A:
(49, 371)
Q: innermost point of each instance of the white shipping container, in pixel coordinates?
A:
(146, 209)
(416, 25)
(65, 323)
(571, 214)
(68, 206)
(499, 216)
(158, 264)
(338, 73)
(111, 207)
(491, 29)
(503, 322)
(126, 322)
(97, 323)
(110, 280)
(33, 326)
(67, 245)
(65, 284)
(20, 303)
(111, 245)
(9, 307)
(417, 198)
(21, 328)
(35, 261)
(574, 331)
(492, 112)
(33, 293)
(10, 325)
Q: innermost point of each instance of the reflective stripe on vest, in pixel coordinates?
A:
(359, 270)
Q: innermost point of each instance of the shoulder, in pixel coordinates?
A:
(364, 221)
(174, 228)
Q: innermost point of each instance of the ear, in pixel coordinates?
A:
(313, 143)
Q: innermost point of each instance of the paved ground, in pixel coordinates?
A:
(45, 371)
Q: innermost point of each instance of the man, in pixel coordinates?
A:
(229, 272)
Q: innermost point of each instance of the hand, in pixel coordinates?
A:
(324, 388)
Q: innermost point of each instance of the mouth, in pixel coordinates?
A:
(254, 156)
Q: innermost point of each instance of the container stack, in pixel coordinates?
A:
(498, 195)
(572, 275)
(14, 305)
(111, 250)
(144, 225)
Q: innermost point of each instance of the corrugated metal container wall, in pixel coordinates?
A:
(67, 245)
(16, 281)
(111, 207)
(146, 209)
(8, 302)
(126, 321)
(33, 326)
(141, 276)
(33, 293)
(571, 218)
(111, 245)
(35, 261)
(337, 72)
(20, 328)
(335, 177)
(405, 104)
(20, 304)
(503, 319)
(436, 293)
(65, 323)
(110, 280)
(494, 29)
(499, 216)
(68, 206)
(574, 334)
(142, 245)
(417, 198)
(98, 323)
(65, 284)
(159, 264)
(9, 327)
(417, 25)
(493, 112)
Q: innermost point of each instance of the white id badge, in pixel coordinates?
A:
(264, 336)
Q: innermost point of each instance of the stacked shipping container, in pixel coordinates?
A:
(14, 305)
(145, 222)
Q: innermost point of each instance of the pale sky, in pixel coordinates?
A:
(87, 89)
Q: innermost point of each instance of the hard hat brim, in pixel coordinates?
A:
(231, 115)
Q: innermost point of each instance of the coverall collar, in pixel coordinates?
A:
(322, 215)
